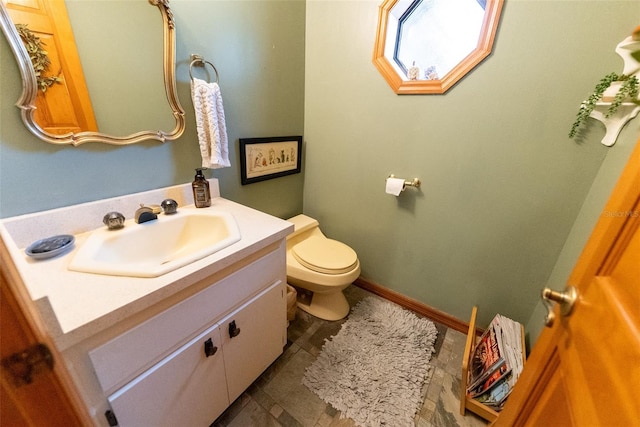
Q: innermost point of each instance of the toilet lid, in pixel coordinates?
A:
(325, 255)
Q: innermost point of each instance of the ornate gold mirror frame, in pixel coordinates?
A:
(401, 84)
(26, 102)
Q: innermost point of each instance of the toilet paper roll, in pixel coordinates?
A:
(394, 186)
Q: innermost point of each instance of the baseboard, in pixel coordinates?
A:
(416, 306)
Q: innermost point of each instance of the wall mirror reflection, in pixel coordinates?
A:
(94, 92)
(426, 46)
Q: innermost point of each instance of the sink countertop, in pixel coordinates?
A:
(85, 303)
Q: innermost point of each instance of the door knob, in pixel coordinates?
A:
(566, 299)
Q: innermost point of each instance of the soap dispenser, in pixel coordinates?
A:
(201, 193)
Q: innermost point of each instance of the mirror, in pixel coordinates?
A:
(124, 130)
(426, 46)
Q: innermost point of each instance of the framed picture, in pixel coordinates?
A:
(267, 158)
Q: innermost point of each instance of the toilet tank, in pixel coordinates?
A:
(302, 223)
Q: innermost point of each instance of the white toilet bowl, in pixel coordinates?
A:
(321, 268)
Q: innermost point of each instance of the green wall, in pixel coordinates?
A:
(258, 49)
(502, 182)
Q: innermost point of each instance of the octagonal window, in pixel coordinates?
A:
(426, 46)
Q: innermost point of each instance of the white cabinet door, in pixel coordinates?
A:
(262, 326)
(187, 388)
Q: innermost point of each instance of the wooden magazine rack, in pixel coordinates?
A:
(466, 402)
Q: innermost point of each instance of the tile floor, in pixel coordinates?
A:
(278, 397)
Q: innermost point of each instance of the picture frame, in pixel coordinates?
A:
(267, 158)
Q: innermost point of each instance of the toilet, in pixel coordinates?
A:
(320, 269)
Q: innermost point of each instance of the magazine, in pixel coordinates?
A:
(486, 357)
(495, 378)
(496, 397)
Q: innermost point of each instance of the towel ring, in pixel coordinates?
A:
(198, 61)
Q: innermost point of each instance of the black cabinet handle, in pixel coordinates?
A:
(209, 348)
(234, 331)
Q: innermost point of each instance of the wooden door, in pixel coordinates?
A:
(66, 106)
(49, 399)
(585, 369)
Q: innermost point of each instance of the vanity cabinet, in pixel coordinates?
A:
(171, 350)
(185, 365)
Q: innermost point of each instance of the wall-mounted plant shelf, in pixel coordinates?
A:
(614, 123)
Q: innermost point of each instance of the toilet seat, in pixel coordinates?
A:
(325, 255)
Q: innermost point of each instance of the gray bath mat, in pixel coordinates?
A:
(374, 369)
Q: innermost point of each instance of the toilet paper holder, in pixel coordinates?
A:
(413, 183)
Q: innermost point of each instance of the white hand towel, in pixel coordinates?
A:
(210, 123)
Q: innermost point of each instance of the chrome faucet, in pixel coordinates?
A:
(144, 214)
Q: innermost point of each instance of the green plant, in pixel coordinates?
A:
(39, 57)
(628, 89)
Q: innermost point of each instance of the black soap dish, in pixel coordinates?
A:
(50, 247)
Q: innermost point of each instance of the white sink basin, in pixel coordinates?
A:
(156, 247)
